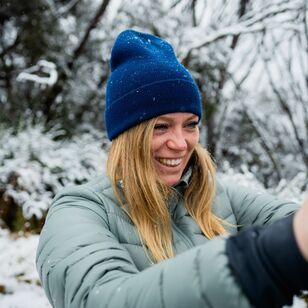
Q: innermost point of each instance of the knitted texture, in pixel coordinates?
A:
(146, 81)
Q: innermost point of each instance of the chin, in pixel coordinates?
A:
(170, 182)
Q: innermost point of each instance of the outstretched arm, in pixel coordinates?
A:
(253, 207)
(271, 262)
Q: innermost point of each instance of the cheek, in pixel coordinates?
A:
(156, 144)
(193, 140)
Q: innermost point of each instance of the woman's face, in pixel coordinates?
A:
(174, 138)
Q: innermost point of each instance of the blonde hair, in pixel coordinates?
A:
(145, 198)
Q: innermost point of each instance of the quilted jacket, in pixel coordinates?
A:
(90, 254)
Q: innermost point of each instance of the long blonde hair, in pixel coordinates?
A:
(146, 197)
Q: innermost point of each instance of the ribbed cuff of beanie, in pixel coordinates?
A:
(268, 264)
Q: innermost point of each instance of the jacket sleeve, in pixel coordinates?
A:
(252, 207)
(82, 264)
(268, 263)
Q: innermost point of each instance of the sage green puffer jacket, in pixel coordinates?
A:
(90, 255)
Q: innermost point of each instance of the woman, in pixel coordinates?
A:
(153, 232)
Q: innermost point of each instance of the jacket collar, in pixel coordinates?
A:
(183, 183)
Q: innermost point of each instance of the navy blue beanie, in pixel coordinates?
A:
(146, 81)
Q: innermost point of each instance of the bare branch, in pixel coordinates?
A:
(305, 23)
(193, 8)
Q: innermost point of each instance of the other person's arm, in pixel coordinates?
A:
(270, 262)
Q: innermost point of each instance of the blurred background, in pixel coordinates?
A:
(249, 59)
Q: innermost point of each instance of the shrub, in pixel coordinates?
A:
(35, 164)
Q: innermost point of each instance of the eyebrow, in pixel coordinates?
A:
(169, 118)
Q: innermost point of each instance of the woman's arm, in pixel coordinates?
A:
(253, 207)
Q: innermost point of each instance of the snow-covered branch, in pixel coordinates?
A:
(285, 106)
(254, 23)
(272, 10)
(43, 73)
(64, 10)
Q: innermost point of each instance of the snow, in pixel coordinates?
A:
(44, 67)
(42, 165)
(112, 9)
(18, 274)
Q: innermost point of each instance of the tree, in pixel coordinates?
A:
(249, 59)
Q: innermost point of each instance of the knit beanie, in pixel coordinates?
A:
(146, 81)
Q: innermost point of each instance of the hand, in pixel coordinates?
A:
(300, 226)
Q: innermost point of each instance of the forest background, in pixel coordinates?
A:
(249, 59)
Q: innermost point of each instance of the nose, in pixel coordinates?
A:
(177, 141)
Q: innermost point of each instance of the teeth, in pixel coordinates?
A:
(170, 162)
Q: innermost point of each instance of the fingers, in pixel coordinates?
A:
(300, 225)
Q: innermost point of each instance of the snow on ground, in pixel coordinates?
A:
(18, 276)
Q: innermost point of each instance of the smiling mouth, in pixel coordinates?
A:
(170, 162)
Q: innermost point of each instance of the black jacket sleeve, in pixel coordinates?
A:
(268, 264)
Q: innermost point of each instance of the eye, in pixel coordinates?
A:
(192, 124)
(161, 126)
